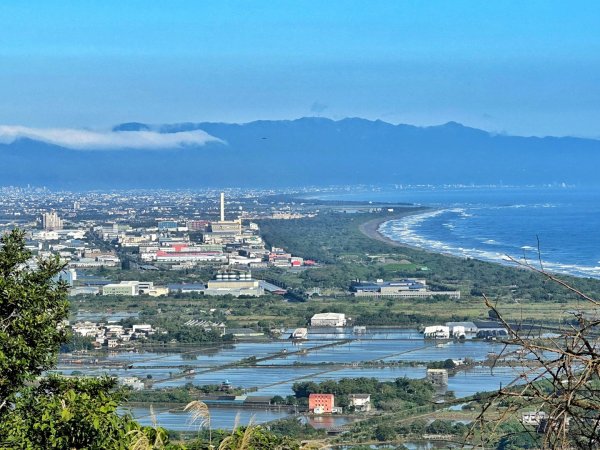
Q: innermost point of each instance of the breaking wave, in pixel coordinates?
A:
(424, 231)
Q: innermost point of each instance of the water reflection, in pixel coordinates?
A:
(281, 363)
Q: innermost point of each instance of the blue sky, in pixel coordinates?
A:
(507, 66)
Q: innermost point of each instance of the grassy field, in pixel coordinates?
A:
(344, 254)
(336, 240)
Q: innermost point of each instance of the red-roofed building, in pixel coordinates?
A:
(321, 403)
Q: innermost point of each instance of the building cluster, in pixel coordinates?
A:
(133, 383)
(186, 244)
(234, 246)
(51, 221)
(134, 288)
(111, 335)
(72, 241)
(227, 282)
(25, 207)
(325, 403)
(409, 288)
(460, 330)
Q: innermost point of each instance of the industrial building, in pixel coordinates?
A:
(234, 283)
(469, 327)
(122, 288)
(186, 287)
(415, 288)
(328, 320)
(226, 226)
(460, 330)
(437, 332)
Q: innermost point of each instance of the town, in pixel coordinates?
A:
(199, 295)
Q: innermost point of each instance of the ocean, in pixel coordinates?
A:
(491, 223)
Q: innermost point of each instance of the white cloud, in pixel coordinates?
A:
(106, 140)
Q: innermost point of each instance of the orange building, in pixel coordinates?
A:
(321, 403)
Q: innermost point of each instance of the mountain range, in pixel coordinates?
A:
(307, 151)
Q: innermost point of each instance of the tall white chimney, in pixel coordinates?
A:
(222, 206)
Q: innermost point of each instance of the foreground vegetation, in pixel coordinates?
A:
(67, 413)
(81, 413)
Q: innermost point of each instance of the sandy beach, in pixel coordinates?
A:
(371, 227)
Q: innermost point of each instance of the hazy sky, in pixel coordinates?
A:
(523, 67)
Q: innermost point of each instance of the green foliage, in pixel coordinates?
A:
(255, 437)
(518, 441)
(58, 412)
(64, 413)
(418, 426)
(335, 239)
(446, 364)
(77, 342)
(446, 427)
(184, 334)
(385, 432)
(180, 394)
(278, 400)
(32, 307)
(384, 394)
(294, 428)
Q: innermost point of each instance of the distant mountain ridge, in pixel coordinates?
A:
(309, 151)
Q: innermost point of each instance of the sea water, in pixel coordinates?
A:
(498, 223)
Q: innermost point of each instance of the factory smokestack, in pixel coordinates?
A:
(222, 206)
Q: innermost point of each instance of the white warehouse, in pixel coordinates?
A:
(328, 320)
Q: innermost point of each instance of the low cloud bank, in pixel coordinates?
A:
(78, 139)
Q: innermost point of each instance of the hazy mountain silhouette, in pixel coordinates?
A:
(313, 151)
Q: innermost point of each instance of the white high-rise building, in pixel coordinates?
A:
(51, 221)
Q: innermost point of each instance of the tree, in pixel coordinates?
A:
(563, 382)
(385, 432)
(278, 400)
(32, 307)
(255, 437)
(58, 412)
(64, 413)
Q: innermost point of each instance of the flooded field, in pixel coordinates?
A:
(327, 354)
(223, 418)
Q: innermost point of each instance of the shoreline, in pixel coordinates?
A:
(370, 228)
